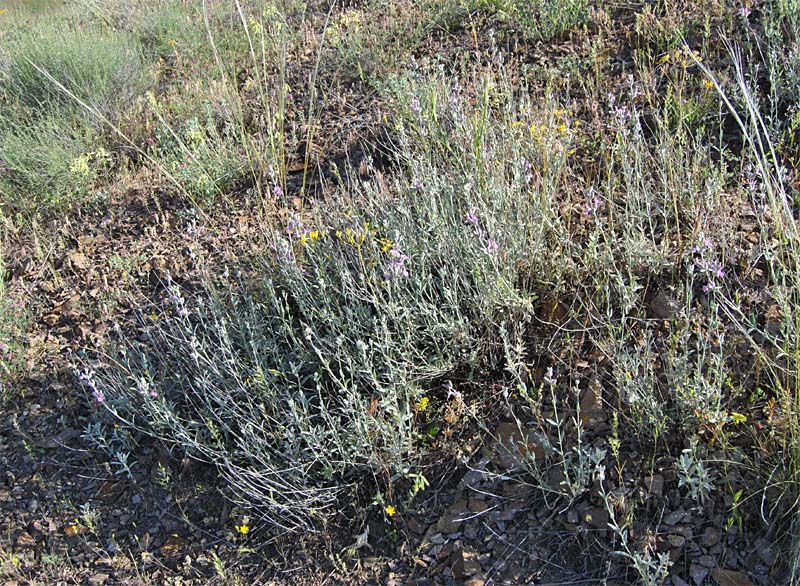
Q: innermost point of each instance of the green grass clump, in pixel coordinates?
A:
(47, 162)
(101, 67)
(545, 20)
(57, 88)
(168, 28)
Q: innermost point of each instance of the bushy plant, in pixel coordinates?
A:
(306, 382)
(46, 162)
(57, 90)
(103, 68)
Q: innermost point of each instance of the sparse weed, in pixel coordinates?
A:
(651, 566)
(542, 19)
(13, 328)
(693, 474)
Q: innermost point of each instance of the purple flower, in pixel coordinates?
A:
(294, 228)
(492, 246)
(87, 378)
(415, 105)
(592, 205)
(144, 388)
(472, 216)
(744, 11)
(397, 265)
(453, 394)
(278, 191)
(453, 101)
(527, 169)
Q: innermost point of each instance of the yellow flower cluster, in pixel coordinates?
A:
(559, 128)
(386, 244)
(683, 57)
(356, 237)
(738, 417)
(312, 236)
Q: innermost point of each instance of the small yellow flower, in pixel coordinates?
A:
(386, 244)
(172, 43)
(423, 404)
(708, 84)
(738, 418)
(390, 510)
(80, 165)
(242, 529)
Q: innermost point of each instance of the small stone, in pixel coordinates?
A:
(509, 513)
(662, 306)
(676, 540)
(136, 500)
(476, 476)
(450, 522)
(471, 531)
(464, 563)
(593, 411)
(730, 578)
(98, 579)
(477, 505)
(766, 552)
(711, 537)
(514, 446)
(674, 517)
(698, 573)
(654, 484)
(572, 517)
(477, 580)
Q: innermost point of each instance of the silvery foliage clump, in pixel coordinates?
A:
(302, 382)
(693, 474)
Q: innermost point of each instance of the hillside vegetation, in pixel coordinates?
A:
(400, 291)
